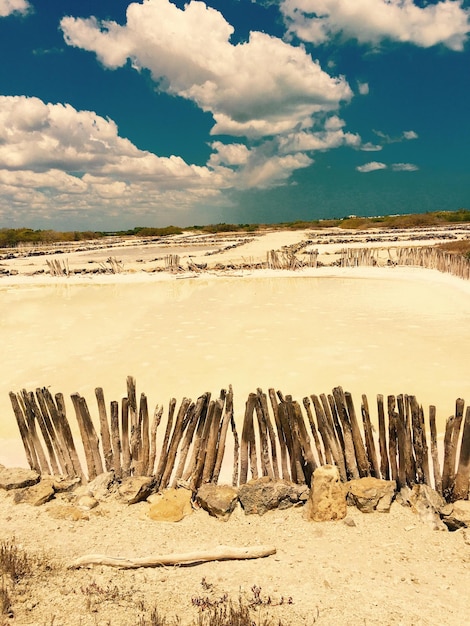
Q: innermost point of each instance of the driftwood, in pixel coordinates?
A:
(221, 553)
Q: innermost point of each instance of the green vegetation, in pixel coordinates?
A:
(12, 237)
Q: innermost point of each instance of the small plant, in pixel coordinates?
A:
(5, 601)
(14, 562)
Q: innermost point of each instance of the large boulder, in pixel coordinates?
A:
(170, 506)
(264, 494)
(327, 501)
(18, 478)
(218, 500)
(371, 494)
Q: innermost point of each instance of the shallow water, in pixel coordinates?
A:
(302, 335)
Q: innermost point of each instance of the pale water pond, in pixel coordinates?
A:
(302, 335)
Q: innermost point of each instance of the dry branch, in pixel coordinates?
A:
(221, 553)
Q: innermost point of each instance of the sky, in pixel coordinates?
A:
(117, 114)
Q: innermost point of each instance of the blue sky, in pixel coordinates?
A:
(116, 114)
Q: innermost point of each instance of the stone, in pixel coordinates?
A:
(101, 487)
(218, 500)
(68, 512)
(327, 501)
(427, 504)
(461, 511)
(136, 488)
(18, 478)
(87, 502)
(36, 495)
(171, 506)
(264, 494)
(371, 494)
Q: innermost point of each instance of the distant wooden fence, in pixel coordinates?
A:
(428, 257)
(280, 438)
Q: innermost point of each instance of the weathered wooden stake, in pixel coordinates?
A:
(462, 477)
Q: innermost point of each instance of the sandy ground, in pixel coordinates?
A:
(378, 569)
(370, 569)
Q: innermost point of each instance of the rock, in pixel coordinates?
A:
(171, 506)
(427, 504)
(18, 478)
(87, 502)
(461, 511)
(327, 501)
(457, 515)
(264, 494)
(218, 500)
(136, 488)
(101, 487)
(36, 495)
(67, 512)
(371, 494)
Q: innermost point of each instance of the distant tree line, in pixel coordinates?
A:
(11, 237)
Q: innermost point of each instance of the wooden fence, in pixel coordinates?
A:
(428, 257)
(280, 438)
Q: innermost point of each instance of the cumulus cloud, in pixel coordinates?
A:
(9, 7)
(446, 22)
(371, 167)
(406, 135)
(395, 167)
(257, 88)
(363, 88)
(404, 167)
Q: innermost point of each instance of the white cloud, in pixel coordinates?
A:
(372, 21)
(410, 134)
(8, 7)
(363, 88)
(257, 88)
(406, 135)
(371, 167)
(370, 147)
(404, 167)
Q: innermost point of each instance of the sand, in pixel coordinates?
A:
(375, 330)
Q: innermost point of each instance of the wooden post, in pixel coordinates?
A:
(30, 402)
(170, 455)
(30, 421)
(333, 451)
(31, 456)
(462, 477)
(236, 449)
(228, 416)
(349, 451)
(266, 468)
(403, 458)
(418, 443)
(104, 428)
(157, 416)
(212, 441)
(384, 462)
(369, 437)
(434, 450)
(248, 448)
(144, 422)
(290, 437)
(280, 435)
(115, 440)
(58, 464)
(192, 418)
(49, 408)
(164, 449)
(392, 439)
(201, 458)
(361, 457)
(331, 414)
(89, 437)
(190, 470)
(263, 400)
(126, 451)
(304, 440)
(450, 449)
(66, 432)
(313, 428)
